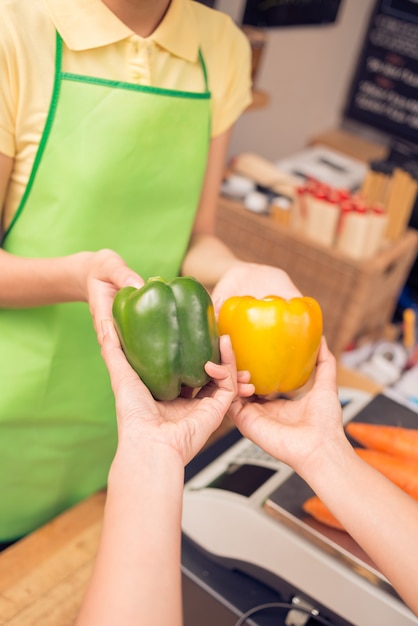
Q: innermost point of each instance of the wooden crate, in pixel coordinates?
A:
(358, 298)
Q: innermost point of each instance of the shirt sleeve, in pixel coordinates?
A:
(228, 58)
(7, 71)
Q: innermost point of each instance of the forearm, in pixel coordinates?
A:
(380, 517)
(137, 576)
(26, 282)
(207, 259)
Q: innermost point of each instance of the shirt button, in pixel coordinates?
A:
(134, 43)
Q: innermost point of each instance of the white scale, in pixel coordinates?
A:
(326, 165)
(324, 565)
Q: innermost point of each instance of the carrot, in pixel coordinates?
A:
(402, 472)
(315, 507)
(401, 442)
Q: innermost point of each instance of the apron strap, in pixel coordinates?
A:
(204, 70)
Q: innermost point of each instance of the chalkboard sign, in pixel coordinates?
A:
(384, 93)
(274, 13)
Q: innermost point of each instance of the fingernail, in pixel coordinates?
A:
(134, 281)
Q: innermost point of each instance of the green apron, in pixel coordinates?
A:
(119, 166)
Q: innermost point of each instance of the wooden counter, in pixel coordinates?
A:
(43, 577)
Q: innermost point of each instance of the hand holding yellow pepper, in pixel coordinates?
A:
(276, 340)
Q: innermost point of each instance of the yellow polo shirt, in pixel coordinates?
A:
(97, 43)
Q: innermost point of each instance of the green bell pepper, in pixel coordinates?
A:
(168, 332)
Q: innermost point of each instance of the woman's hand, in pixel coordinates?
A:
(183, 424)
(253, 279)
(296, 431)
(105, 272)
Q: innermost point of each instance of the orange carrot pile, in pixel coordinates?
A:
(392, 450)
(401, 442)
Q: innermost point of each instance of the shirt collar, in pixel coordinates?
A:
(88, 24)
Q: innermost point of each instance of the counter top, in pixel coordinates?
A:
(43, 576)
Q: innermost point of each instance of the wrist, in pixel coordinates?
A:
(327, 461)
(78, 269)
(156, 462)
(208, 258)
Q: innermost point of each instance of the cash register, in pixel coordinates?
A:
(243, 510)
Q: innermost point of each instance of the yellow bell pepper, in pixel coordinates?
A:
(276, 340)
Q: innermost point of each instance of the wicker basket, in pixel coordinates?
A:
(358, 298)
